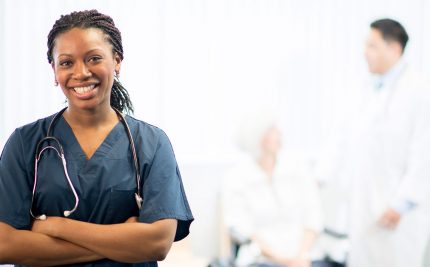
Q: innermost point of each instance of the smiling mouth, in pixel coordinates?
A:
(83, 90)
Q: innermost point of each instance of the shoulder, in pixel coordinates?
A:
(149, 139)
(25, 138)
(34, 130)
(39, 126)
(414, 88)
(146, 131)
(412, 79)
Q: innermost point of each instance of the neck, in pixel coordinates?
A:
(390, 65)
(267, 162)
(90, 118)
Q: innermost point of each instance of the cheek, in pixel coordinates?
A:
(276, 143)
(105, 72)
(272, 141)
(65, 91)
(61, 76)
(373, 59)
(370, 54)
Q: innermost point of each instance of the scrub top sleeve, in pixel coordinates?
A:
(163, 192)
(15, 192)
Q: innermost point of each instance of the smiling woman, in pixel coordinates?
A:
(121, 178)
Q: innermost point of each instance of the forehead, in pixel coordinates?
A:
(375, 36)
(77, 39)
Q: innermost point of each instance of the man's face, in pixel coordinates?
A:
(380, 54)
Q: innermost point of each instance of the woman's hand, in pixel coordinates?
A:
(43, 250)
(130, 241)
(48, 226)
(132, 220)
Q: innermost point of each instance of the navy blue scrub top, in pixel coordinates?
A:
(105, 183)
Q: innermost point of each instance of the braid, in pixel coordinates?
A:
(120, 98)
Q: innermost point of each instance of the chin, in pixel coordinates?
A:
(374, 71)
(88, 107)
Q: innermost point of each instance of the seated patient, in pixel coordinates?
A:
(277, 210)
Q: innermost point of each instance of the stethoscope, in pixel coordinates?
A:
(60, 152)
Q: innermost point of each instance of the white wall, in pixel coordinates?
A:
(193, 66)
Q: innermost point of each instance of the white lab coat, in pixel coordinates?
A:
(383, 159)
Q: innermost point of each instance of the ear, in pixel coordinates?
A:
(117, 59)
(53, 69)
(396, 48)
(399, 49)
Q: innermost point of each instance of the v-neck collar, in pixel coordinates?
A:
(75, 150)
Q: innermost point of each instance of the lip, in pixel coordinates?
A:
(72, 85)
(85, 95)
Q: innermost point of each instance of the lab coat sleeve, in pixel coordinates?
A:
(163, 192)
(415, 185)
(15, 192)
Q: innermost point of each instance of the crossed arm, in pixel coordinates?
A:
(58, 241)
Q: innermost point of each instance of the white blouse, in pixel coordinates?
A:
(276, 211)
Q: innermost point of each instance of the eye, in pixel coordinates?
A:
(95, 59)
(65, 63)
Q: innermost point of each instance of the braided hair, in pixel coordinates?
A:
(120, 98)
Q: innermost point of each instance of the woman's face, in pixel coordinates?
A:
(271, 142)
(84, 66)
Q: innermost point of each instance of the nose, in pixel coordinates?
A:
(81, 71)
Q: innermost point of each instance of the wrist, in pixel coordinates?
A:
(55, 226)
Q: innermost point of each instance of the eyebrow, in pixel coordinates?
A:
(88, 52)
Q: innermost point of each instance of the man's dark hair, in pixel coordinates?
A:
(391, 30)
(93, 19)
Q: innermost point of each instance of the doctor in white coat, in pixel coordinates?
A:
(386, 159)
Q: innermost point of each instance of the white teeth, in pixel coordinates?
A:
(83, 90)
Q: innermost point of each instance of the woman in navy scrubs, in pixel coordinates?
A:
(107, 228)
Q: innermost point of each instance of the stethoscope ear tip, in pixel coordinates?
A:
(67, 213)
(42, 217)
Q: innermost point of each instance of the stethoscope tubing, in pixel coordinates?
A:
(60, 153)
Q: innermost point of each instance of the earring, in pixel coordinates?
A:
(116, 76)
(55, 83)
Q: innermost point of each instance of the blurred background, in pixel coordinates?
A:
(193, 66)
